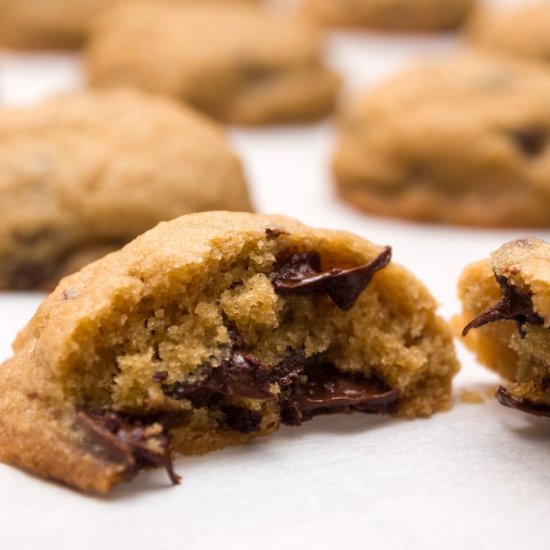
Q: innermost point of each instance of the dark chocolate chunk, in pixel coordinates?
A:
(297, 268)
(160, 376)
(301, 274)
(129, 441)
(329, 391)
(531, 141)
(504, 398)
(242, 420)
(241, 376)
(515, 305)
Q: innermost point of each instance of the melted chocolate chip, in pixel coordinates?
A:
(288, 370)
(242, 420)
(197, 395)
(301, 274)
(242, 375)
(531, 141)
(504, 398)
(297, 268)
(329, 391)
(515, 305)
(135, 443)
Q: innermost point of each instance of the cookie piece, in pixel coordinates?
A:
(395, 15)
(240, 64)
(521, 31)
(506, 315)
(81, 175)
(55, 23)
(211, 330)
(463, 140)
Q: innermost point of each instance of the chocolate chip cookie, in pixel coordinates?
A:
(523, 32)
(397, 15)
(211, 330)
(82, 175)
(506, 314)
(55, 23)
(240, 64)
(463, 140)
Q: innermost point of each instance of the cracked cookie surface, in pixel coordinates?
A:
(211, 330)
(240, 64)
(83, 174)
(506, 320)
(464, 140)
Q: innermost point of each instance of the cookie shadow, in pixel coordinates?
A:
(154, 482)
(526, 426)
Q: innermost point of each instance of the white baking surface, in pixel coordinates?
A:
(476, 477)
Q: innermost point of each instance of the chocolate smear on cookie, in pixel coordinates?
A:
(515, 305)
(301, 274)
(538, 409)
(328, 391)
(135, 443)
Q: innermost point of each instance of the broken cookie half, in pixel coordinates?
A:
(506, 314)
(211, 330)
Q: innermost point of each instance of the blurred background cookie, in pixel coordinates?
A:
(523, 31)
(56, 23)
(240, 64)
(462, 140)
(396, 15)
(82, 175)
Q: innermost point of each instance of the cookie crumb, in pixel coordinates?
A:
(471, 397)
